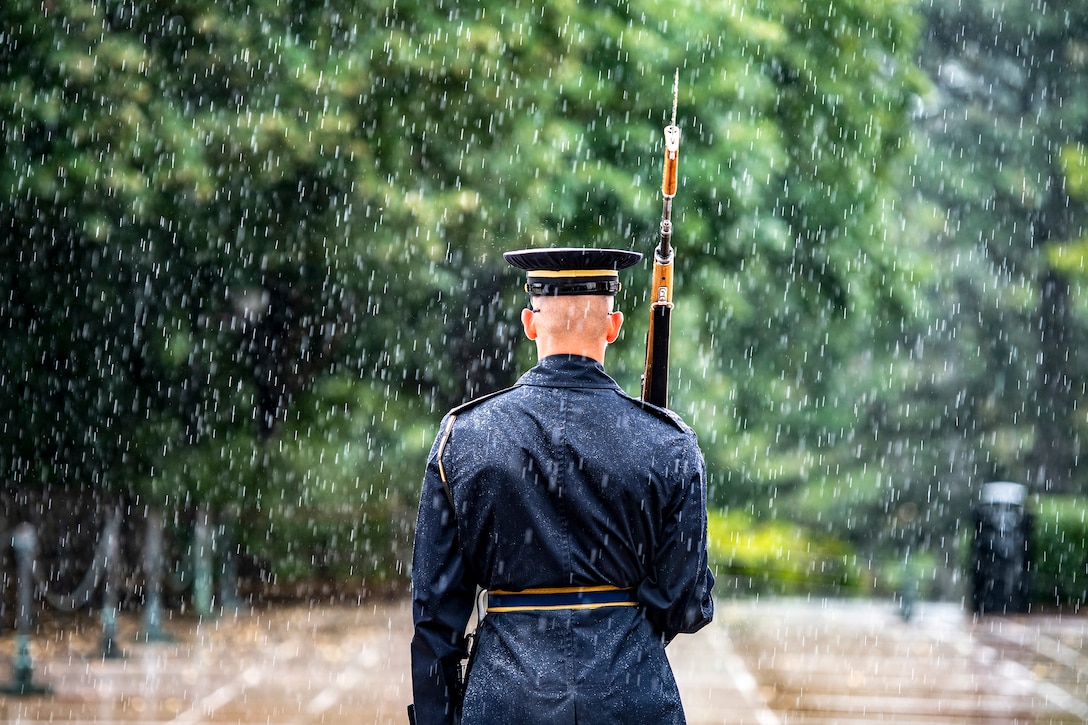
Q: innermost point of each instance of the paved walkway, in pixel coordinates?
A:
(773, 662)
(788, 662)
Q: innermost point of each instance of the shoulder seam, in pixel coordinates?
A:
(657, 412)
(476, 401)
(451, 417)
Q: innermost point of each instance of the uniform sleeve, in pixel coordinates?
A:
(442, 599)
(676, 597)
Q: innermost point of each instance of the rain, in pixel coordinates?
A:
(252, 253)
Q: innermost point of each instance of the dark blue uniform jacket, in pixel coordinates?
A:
(563, 480)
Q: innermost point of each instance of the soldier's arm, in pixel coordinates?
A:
(677, 596)
(442, 599)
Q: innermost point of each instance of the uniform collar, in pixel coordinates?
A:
(568, 371)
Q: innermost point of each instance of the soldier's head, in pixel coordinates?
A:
(571, 292)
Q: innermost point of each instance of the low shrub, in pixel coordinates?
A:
(754, 556)
(1059, 552)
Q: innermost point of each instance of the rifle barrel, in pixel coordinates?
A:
(656, 374)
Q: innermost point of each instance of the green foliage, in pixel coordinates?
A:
(327, 499)
(257, 248)
(1069, 258)
(750, 556)
(1059, 550)
(259, 243)
(995, 133)
(788, 240)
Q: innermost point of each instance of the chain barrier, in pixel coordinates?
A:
(81, 596)
(106, 558)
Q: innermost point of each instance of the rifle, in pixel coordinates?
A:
(655, 378)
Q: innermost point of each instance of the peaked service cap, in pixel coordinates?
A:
(571, 271)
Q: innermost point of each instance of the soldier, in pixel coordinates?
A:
(580, 510)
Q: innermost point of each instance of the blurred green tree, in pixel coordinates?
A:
(258, 244)
(1001, 136)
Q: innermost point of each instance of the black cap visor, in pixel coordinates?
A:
(572, 271)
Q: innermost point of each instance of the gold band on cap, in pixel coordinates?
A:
(549, 273)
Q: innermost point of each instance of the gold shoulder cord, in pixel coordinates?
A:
(441, 467)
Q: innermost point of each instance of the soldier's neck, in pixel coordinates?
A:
(548, 348)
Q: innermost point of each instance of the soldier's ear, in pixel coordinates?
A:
(615, 322)
(528, 322)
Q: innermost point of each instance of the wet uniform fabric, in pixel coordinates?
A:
(563, 480)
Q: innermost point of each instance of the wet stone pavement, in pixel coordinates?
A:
(762, 662)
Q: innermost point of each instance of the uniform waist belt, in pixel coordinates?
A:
(535, 600)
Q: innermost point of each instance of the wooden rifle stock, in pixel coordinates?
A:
(655, 377)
